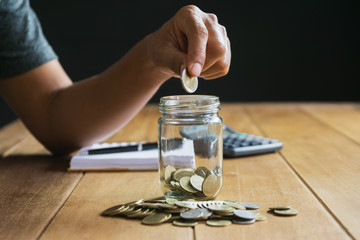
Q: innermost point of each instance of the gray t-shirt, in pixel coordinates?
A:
(23, 46)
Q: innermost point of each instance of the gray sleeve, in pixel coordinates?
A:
(23, 46)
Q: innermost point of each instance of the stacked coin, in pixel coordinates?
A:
(187, 213)
(284, 210)
(199, 183)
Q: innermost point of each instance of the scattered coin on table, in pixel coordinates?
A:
(218, 222)
(280, 207)
(187, 213)
(184, 223)
(284, 210)
(243, 221)
(287, 212)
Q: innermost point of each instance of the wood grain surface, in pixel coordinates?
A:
(34, 184)
(345, 118)
(11, 135)
(33, 189)
(317, 172)
(99, 191)
(268, 180)
(326, 160)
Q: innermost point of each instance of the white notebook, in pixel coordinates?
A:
(125, 161)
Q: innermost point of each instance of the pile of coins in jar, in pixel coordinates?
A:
(200, 183)
(188, 213)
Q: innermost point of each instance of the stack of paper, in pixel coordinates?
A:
(134, 160)
(121, 161)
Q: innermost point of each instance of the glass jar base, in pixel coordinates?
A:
(178, 195)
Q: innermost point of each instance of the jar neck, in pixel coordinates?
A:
(184, 116)
(190, 119)
(189, 105)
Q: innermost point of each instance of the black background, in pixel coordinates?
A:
(302, 50)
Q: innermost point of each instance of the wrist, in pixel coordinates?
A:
(137, 68)
(155, 73)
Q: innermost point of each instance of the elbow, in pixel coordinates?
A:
(61, 148)
(68, 145)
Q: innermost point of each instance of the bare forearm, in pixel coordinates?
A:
(95, 108)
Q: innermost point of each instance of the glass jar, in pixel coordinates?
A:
(190, 147)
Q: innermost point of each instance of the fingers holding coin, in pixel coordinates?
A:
(192, 39)
(207, 49)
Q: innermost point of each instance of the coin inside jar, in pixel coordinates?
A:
(211, 185)
(187, 182)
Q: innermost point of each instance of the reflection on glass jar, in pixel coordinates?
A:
(190, 147)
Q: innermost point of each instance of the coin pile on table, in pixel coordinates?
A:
(199, 183)
(190, 212)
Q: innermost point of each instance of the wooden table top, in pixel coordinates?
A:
(317, 171)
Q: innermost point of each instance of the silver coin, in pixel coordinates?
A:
(186, 204)
(245, 214)
(243, 221)
(221, 208)
(205, 212)
(235, 205)
(192, 214)
(252, 206)
(196, 182)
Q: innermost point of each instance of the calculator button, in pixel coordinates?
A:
(242, 136)
(250, 138)
(244, 144)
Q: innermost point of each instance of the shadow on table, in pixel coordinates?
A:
(39, 162)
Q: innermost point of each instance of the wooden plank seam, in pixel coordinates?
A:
(298, 175)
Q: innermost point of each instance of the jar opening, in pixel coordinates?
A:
(189, 104)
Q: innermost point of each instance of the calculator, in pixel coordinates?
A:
(236, 144)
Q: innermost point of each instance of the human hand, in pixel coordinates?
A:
(191, 39)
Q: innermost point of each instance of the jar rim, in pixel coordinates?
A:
(189, 103)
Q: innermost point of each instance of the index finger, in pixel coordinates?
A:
(197, 36)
